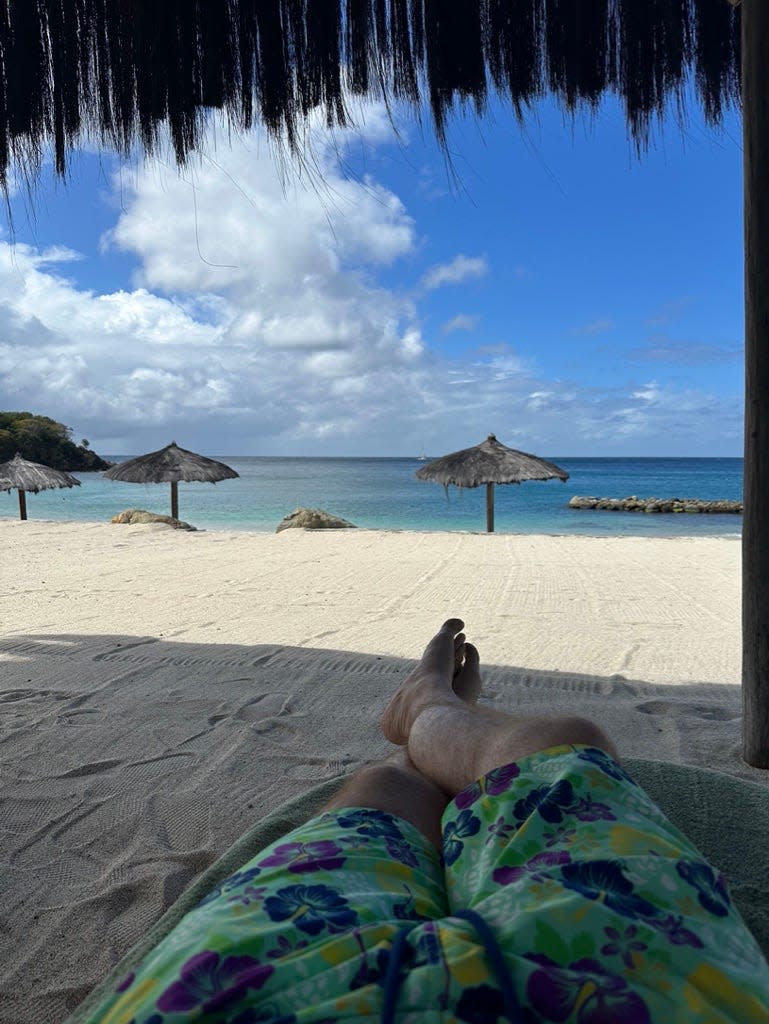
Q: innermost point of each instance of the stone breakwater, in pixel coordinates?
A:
(634, 504)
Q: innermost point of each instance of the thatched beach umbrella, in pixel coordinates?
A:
(170, 465)
(31, 476)
(490, 463)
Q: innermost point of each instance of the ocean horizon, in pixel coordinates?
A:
(383, 493)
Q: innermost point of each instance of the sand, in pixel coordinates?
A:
(162, 690)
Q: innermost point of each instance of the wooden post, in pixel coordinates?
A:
(755, 526)
(489, 508)
(22, 504)
(174, 499)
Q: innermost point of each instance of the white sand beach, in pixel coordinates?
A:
(162, 690)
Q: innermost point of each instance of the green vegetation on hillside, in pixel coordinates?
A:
(41, 439)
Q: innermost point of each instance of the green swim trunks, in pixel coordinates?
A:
(562, 894)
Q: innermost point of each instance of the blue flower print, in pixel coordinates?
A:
(312, 908)
(210, 983)
(368, 822)
(373, 969)
(603, 880)
(711, 888)
(400, 850)
(623, 944)
(239, 878)
(548, 801)
(583, 991)
(606, 763)
(465, 826)
(481, 1005)
(302, 858)
(535, 869)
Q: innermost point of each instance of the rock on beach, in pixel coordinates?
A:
(139, 515)
(313, 519)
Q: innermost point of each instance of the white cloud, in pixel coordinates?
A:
(461, 268)
(461, 322)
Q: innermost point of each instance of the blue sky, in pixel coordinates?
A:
(550, 288)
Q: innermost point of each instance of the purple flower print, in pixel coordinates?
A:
(302, 858)
(467, 797)
(558, 836)
(285, 947)
(500, 830)
(623, 944)
(465, 826)
(672, 927)
(533, 869)
(312, 908)
(587, 809)
(249, 895)
(603, 880)
(499, 780)
(711, 888)
(586, 990)
(606, 763)
(126, 982)
(208, 982)
(368, 822)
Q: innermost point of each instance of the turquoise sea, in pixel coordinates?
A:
(384, 494)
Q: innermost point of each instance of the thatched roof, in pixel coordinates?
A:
(169, 465)
(32, 476)
(489, 463)
(118, 72)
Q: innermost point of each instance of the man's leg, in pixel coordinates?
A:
(450, 740)
(396, 786)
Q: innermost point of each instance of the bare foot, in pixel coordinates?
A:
(429, 684)
(467, 677)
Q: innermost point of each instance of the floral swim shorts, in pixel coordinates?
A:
(562, 894)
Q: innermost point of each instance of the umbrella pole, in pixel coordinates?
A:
(489, 508)
(755, 536)
(174, 499)
(22, 504)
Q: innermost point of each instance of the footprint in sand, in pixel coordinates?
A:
(713, 712)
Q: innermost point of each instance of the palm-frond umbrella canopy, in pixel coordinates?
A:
(490, 463)
(26, 476)
(170, 465)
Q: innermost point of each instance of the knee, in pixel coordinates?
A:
(575, 729)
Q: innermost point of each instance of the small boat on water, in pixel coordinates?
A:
(422, 457)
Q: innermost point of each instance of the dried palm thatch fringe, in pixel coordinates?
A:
(20, 474)
(119, 71)
(170, 465)
(490, 462)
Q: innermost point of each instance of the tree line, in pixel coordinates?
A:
(41, 439)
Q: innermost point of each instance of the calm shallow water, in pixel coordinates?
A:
(384, 494)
